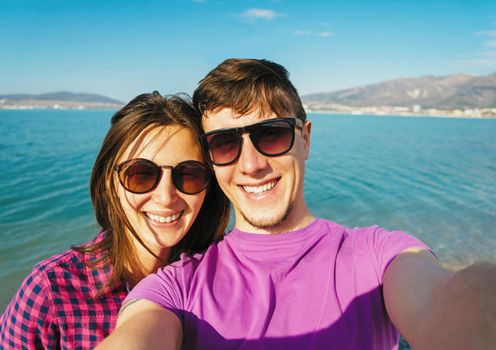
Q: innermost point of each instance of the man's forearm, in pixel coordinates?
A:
(463, 313)
(155, 329)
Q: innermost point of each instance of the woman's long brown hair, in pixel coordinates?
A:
(116, 249)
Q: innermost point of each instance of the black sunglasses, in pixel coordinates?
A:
(271, 138)
(142, 175)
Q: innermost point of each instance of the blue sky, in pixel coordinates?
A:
(123, 48)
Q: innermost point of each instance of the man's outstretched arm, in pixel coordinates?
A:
(143, 324)
(434, 308)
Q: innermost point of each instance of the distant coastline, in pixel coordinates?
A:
(485, 113)
(431, 113)
(455, 96)
(59, 100)
(62, 105)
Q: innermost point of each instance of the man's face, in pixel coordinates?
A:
(266, 192)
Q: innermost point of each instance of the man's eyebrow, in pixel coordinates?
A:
(126, 304)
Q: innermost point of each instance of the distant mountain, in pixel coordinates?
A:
(448, 92)
(62, 96)
(58, 100)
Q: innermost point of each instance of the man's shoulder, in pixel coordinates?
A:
(362, 232)
(347, 233)
(334, 226)
(374, 236)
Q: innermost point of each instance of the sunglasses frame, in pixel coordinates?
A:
(118, 168)
(293, 122)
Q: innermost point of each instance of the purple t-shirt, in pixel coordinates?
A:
(316, 288)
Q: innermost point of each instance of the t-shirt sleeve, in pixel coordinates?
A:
(27, 322)
(162, 288)
(387, 245)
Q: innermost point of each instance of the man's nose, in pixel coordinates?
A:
(250, 160)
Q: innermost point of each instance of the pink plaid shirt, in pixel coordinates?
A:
(57, 306)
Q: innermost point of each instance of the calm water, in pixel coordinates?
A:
(434, 178)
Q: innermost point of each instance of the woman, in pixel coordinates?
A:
(153, 197)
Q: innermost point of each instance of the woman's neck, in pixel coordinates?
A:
(149, 263)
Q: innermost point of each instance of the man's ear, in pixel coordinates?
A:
(305, 134)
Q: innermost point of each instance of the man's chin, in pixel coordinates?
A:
(267, 222)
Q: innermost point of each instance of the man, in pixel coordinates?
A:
(283, 279)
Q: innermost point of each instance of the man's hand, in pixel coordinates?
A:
(143, 324)
(434, 308)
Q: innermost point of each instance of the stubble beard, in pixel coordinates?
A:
(271, 222)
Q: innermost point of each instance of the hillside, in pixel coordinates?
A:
(452, 92)
(62, 99)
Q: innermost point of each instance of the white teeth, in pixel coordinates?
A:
(164, 219)
(260, 189)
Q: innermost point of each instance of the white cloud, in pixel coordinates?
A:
(254, 14)
(490, 38)
(489, 61)
(485, 57)
(301, 32)
(490, 44)
(324, 34)
(490, 33)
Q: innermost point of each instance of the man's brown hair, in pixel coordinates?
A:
(245, 85)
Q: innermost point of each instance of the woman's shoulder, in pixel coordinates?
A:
(46, 277)
(60, 293)
(68, 272)
(59, 260)
(72, 276)
(67, 260)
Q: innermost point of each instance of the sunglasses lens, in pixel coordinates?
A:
(274, 138)
(139, 176)
(271, 138)
(191, 177)
(224, 147)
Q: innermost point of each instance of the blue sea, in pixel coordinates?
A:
(432, 177)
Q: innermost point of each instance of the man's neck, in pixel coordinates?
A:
(302, 221)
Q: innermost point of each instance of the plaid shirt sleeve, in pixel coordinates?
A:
(28, 322)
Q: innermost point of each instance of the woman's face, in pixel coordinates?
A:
(164, 215)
